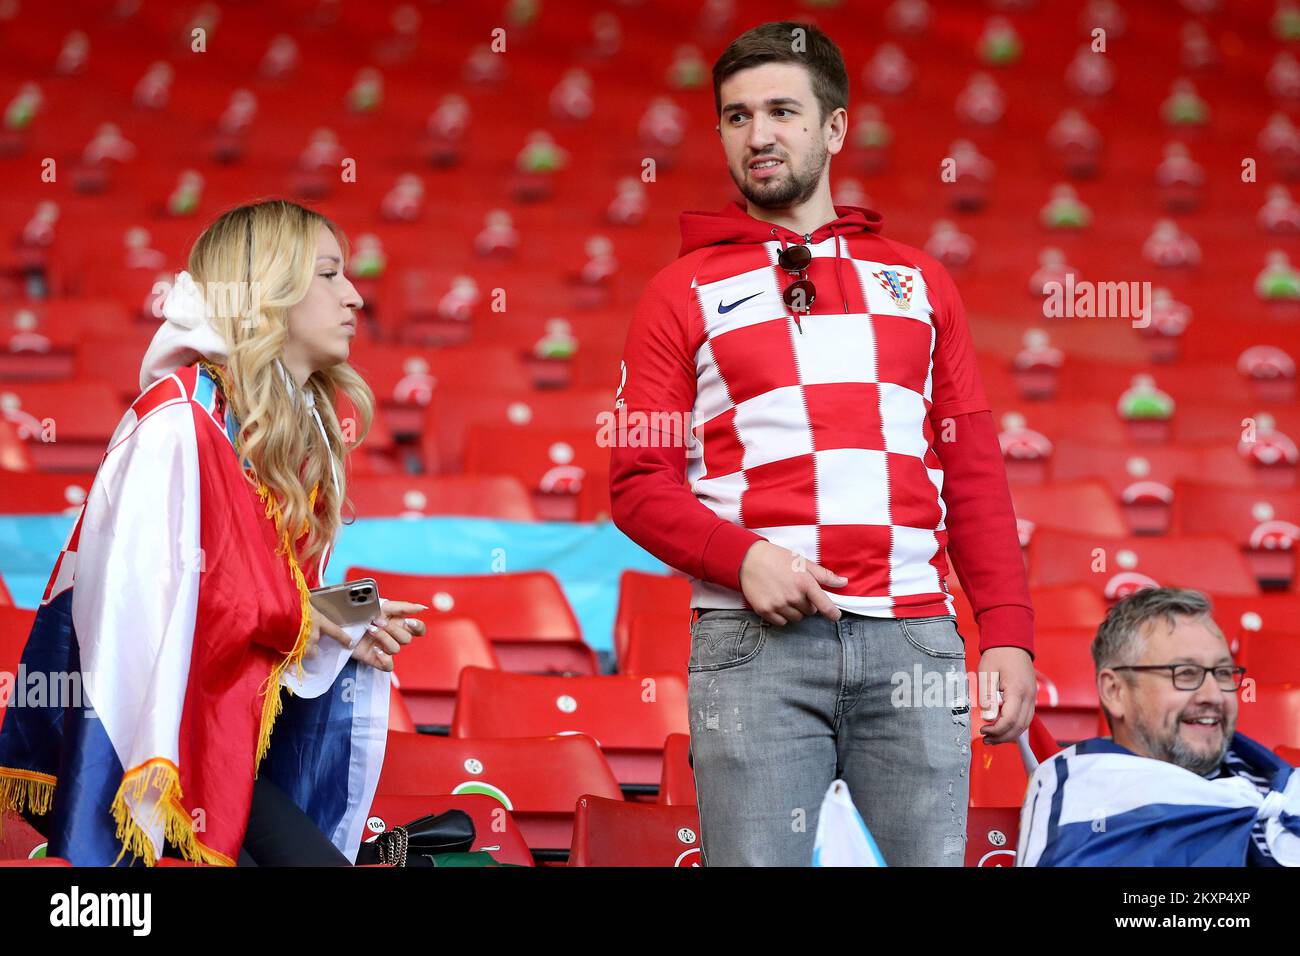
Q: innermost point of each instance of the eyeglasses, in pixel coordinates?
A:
(800, 294)
(1192, 676)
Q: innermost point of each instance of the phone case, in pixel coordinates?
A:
(353, 602)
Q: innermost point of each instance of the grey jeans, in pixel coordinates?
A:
(778, 713)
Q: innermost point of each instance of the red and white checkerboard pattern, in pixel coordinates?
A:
(820, 440)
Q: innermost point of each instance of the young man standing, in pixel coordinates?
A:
(842, 447)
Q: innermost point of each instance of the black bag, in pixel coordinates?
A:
(448, 832)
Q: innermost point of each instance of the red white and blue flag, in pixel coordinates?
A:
(196, 618)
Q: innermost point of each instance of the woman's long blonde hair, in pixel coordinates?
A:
(260, 259)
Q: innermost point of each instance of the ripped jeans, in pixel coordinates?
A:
(777, 713)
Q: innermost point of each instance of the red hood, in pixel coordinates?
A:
(734, 224)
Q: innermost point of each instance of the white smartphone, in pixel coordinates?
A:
(348, 604)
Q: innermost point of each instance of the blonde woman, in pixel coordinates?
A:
(176, 624)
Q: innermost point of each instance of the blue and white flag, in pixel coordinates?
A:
(842, 836)
(1099, 804)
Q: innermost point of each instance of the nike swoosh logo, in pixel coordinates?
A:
(724, 309)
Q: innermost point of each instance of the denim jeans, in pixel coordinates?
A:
(778, 713)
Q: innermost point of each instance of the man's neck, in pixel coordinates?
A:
(805, 218)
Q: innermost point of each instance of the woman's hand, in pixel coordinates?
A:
(387, 634)
(320, 624)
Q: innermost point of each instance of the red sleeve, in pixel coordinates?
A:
(982, 539)
(956, 388)
(650, 501)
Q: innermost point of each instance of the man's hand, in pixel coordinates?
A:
(784, 587)
(1011, 671)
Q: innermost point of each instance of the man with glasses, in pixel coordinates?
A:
(1153, 653)
(1175, 785)
(807, 438)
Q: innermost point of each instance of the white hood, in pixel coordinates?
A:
(186, 335)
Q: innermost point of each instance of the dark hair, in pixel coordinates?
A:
(1118, 637)
(787, 41)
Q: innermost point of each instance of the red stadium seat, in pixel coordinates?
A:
(72, 421)
(1059, 606)
(17, 837)
(997, 774)
(414, 496)
(552, 463)
(525, 615)
(1273, 613)
(1270, 657)
(627, 716)
(1265, 524)
(15, 627)
(39, 861)
(1223, 421)
(14, 453)
(618, 833)
(1067, 688)
(1290, 754)
(1066, 606)
(399, 715)
(642, 593)
(538, 779)
(1114, 567)
(379, 454)
(36, 492)
(53, 363)
(1142, 477)
(1086, 418)
(659, 643)
(992, 834)
(593, 499)
(405, 378)
(449, 417)
(1085, 506)
(115, 359)
(1186, 383)
(68, 321)
(677, 785)
(1273, 717)
(430, 667)
(495, 830)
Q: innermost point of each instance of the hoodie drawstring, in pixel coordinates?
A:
(839, 279)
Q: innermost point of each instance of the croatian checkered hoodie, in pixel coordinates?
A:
(856, 434)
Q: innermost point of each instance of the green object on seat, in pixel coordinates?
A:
(478, 858)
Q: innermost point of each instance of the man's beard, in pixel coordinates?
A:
(782, 192)
(1172, 748)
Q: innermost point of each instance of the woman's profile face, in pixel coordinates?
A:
(322, 325)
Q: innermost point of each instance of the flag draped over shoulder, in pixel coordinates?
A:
(175, 614)
(1099, 804)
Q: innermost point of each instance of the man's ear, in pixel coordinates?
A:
(837, 130)
(1110, 692)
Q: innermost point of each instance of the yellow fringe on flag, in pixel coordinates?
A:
(272, 704)
(178, 826)
(25, 789)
